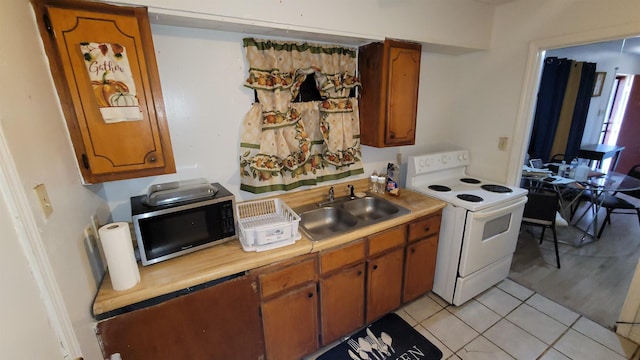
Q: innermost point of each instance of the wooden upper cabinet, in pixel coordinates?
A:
(390, 74)
(107, 148)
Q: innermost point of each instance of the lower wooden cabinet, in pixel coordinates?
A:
(342, 302)
(290, 307)
(285, 310)
(219, 322)
(419, 268)
(384, 284)
(290, 323)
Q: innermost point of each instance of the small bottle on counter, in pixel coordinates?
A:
(582, 172)
(562, 169)
(392, 187)
(373, 182)
(382, 181)
(572, 168)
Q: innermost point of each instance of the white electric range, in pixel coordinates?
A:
(480, 223)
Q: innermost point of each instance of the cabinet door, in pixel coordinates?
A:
(420, 265)
(390, 74)
(342, 303)
(384, 284)
(219, 322)
(290, 324)
(403, 75)
(108, 147)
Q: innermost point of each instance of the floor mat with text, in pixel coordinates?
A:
(387, 338)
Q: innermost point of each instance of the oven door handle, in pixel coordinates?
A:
(501, 210)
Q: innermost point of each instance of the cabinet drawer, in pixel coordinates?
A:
(424, 227)
(288, 277)
(387, 240)
(346, 255)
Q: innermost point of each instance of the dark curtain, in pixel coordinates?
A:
(551, 99)
(581, 109)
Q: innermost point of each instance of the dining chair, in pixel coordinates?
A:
(540, 210)
(617, 205)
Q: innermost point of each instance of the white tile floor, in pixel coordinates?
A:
(509, 321)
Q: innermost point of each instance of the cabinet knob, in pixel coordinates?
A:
(413, 250)
(392, 135)
(427, 229)
(359, 272)
(310, 294)
(375, 267)
(153, 159)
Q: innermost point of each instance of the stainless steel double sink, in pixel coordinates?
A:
(342, 215)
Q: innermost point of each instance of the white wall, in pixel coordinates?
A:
(23, 317)
(38, 142)
(497, 87)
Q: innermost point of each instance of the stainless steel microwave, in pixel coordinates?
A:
(175, 227)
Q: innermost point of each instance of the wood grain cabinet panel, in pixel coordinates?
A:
(219, 322)
(287, 277)
(390, 74)
(419, 268)
(384, 284)
(345, 255)
(424, 227)
(290, 307)
(107, 150)
(387, 240)
(342, 302)
(290, 323)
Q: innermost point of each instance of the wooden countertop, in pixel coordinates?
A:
(229, 258)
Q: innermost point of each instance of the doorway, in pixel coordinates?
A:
(616, 63)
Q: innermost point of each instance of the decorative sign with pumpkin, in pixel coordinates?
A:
(112, 81)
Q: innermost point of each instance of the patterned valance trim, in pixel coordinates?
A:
(308, 182)
(301, 47)
(314, 142)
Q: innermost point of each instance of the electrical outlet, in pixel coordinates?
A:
(503, 141)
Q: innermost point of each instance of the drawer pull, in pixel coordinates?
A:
(427, 229)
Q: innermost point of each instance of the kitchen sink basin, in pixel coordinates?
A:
(371, 208)
(324, 220)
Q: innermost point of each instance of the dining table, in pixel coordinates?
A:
(595, 188)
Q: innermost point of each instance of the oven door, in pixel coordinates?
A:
(490, 235)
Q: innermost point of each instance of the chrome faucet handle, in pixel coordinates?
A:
(352, 190)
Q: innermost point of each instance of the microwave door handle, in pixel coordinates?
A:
(482, 215)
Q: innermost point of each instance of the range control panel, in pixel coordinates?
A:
(436, 162)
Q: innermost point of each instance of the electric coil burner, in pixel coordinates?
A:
(480, 223)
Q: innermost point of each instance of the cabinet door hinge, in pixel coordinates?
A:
(47, 24)
(85, 161)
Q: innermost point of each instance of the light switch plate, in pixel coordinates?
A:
(43, 197)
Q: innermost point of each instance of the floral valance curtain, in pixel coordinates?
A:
(287, 144)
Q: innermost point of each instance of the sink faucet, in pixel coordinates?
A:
(331, 194)
(352, 194)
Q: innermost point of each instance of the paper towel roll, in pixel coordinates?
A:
(118, 249)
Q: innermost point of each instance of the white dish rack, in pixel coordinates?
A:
(267, 224)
